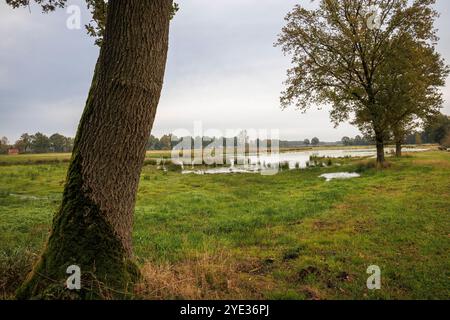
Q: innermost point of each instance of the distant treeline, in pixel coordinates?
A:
(305, 143)
(38, 143)
(168, 141)
(436, 131)
(357, 141)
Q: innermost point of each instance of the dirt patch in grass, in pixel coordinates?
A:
(324, 225)
(302, 274)
(255, 267)
(311, 293)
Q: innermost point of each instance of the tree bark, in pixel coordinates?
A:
(398, 149)
(399, 137)
(93, 227)
(380, 149)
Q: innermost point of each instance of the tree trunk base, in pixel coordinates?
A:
(81, 236)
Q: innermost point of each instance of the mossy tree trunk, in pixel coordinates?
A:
(93, 226)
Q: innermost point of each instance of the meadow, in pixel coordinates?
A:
(248, 236)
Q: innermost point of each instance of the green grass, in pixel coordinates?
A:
(288, 236)
(55, 158)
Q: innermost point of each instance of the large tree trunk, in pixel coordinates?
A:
(94, 224)
(398, 148)
(380, 149)
(399, 137)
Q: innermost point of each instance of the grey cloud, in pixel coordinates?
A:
(222, 69)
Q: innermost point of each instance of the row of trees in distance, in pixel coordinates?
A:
(437, 130)
(38, 143)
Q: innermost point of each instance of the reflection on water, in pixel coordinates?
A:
(292, 160)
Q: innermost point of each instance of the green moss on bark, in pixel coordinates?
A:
(81, 236)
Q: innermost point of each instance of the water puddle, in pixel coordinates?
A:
(224, 170)
(339, 176)
(290, 160)
(32, 198)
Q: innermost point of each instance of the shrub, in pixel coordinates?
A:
(284, 165)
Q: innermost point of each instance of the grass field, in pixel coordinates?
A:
(288, 236)
(55, 158)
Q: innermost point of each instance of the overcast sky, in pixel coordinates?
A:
(222, 70)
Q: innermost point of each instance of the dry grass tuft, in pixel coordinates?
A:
(14, 267)
(206, 276)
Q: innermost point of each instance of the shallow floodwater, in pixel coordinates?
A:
(295, 160)
(340, 175)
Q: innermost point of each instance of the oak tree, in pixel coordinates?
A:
(339, 52)
(93, 226)
(410, 86)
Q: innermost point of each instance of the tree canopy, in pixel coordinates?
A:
(340, 58)
(98, 9)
